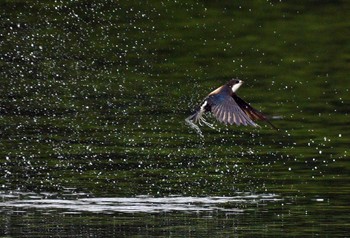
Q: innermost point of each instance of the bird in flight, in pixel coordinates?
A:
(226, 107)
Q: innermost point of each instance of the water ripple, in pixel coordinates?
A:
(143, 204)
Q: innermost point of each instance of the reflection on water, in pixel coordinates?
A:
(139, 204)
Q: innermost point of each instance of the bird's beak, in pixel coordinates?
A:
(242, 81)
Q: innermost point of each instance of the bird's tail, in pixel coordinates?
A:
(191, 120)
(197, 117)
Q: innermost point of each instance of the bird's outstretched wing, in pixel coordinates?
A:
(251, 112)
(226, 110)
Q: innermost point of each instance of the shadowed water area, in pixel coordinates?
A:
(93, 101)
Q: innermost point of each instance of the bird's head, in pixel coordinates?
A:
(234, 84)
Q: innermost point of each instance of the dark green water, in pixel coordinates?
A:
(93, 98)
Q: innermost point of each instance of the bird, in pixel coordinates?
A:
(227, 107)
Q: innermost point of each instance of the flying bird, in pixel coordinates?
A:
(226, 107)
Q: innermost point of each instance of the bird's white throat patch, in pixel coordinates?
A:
(236, 87)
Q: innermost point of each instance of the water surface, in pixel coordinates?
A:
(92, 107)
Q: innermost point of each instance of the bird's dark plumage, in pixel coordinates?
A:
(227, 108)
